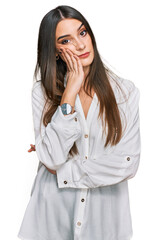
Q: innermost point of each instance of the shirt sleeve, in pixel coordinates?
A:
(108, 168)
(55, 140)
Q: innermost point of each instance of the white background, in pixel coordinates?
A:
(127, 35)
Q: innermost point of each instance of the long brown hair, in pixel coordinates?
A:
(52, 74)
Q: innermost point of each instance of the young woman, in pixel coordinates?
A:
(87, 137)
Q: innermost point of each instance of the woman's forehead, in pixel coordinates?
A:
(66, 26)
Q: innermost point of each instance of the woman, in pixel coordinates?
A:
(87, 137)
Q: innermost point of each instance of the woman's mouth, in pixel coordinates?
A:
(84, 55)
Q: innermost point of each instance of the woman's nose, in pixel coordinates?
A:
(79, 44)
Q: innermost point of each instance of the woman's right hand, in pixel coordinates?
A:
(75, 73)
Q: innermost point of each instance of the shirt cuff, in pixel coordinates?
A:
(72, 174)
(63, 174)
(59, 116)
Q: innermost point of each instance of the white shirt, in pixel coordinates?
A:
(88, 198)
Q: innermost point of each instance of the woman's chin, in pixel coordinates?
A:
(86, 62)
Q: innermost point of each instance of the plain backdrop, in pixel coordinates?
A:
(127, 38)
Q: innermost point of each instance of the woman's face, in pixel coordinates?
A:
(72, 34)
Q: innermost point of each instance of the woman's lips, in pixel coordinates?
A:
(84, 55)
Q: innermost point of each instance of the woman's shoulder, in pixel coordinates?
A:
(122, 87)
(37, 86)
(38, 92)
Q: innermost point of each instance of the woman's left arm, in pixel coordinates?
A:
(107, 169)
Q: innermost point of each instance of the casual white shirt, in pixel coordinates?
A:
(88, 198)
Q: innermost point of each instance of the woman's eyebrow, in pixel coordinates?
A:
(69, 34)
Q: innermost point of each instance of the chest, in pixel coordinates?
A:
(85, 103)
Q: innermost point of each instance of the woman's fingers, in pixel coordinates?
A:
(76, 61)
(73, 59)
(79, 64)
(70, 59)
(32, 148)
(67, 54)
(64, 55)
(75, 71)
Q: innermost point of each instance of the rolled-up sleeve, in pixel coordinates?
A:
(54, 141)
(108, 169)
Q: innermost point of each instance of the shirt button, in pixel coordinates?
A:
(82, 200)
(128, 158)
(75, 119)
(65, 182)
(79, 223)
(86, 157)
(86, 135)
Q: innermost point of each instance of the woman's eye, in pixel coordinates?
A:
(63, 42)
(66, 40)
(84, 31)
